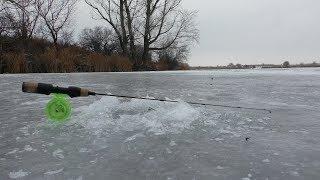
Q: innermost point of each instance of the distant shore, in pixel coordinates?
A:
(257, 66)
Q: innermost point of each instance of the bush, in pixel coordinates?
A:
(162, 65)
(286, 64)
(168, 64)
(184, 66)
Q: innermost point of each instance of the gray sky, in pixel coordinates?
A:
(249, 31)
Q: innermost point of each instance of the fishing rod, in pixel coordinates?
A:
(59, 108)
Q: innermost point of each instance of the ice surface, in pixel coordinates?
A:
(116, 138)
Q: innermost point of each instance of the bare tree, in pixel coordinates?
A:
(56, 16)
(22, 16)
(154, 24)
(113, 13)
(4, 21)
(167, 25)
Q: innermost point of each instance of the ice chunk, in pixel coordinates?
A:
(29, 148)
(111, 114)
(172, 143)
(220, 167)
(168, 151)
(149, 97)
(15, 150)
(53, 172)
(266, 160)
(218, 139)
(294, 173)
(58, 154)
(84, 150)
(134, 137)
(246, 178)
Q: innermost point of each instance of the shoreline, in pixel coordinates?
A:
(180, 71)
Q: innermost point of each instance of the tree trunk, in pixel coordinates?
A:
(133, 51)
(123, 29)
(146, 34)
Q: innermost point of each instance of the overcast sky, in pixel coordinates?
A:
(249, 31)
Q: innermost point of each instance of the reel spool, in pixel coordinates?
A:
(59, 108)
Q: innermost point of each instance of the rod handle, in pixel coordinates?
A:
(47, 89)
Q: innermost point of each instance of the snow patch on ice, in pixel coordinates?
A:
(25, 131)
(18, 174)
(84, 150)
(134, 137)
(29, 148)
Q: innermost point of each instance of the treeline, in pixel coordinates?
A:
(37, 36)
(285, 64)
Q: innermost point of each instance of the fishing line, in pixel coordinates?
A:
(188, 102)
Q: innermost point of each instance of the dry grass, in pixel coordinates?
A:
(15, 63)
(98, 62)
(67, 59)
(119, 63)
(63, 61)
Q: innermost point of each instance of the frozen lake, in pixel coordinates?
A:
(110, 138)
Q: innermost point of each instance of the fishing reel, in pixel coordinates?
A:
(59, 108)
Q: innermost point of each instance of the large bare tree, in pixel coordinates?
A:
(56, 16)
(167, 25)
(113, 12)
(153, 24)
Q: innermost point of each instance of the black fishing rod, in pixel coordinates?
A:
(47, 89)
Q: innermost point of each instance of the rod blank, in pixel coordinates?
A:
(47, 89)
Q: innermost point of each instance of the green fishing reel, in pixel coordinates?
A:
(59, 108)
